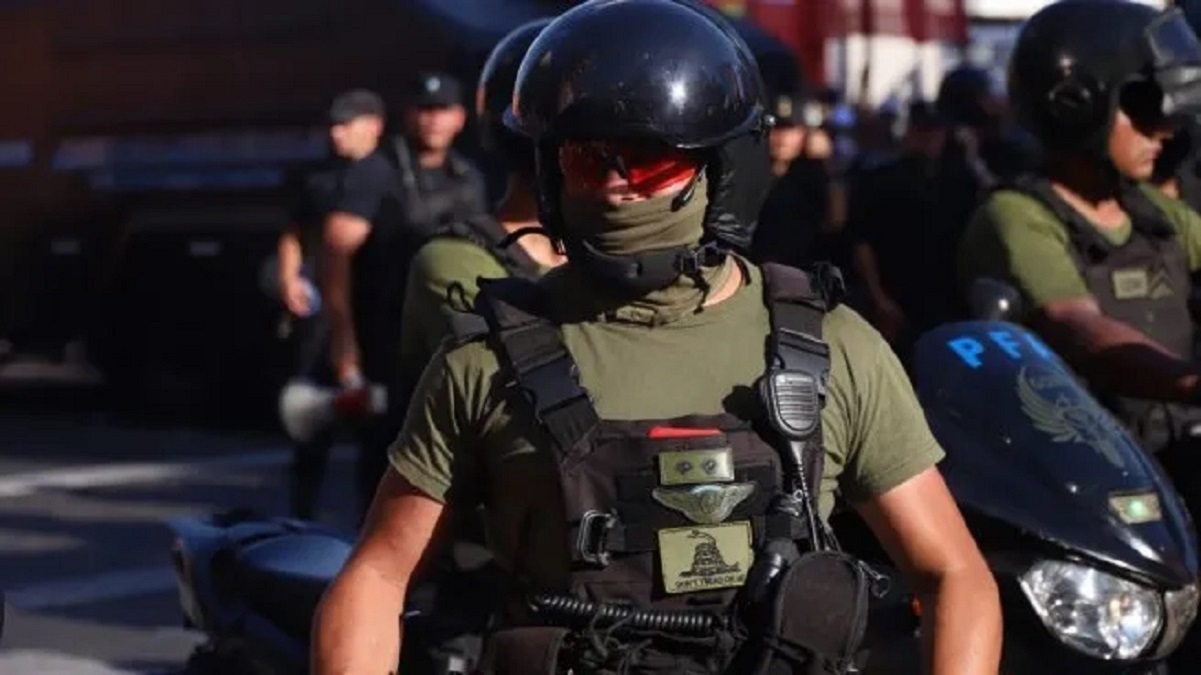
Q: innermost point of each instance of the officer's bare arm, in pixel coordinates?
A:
(1116, 356)
(344, 234)
(290, 254)
(921, 528)
(356, 630)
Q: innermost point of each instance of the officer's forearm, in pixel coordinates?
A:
(356, 629)
(290, 255)
(961, 624)
(1120, 359)
(336, 291)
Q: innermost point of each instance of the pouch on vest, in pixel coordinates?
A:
(792, 641)
(530, 650)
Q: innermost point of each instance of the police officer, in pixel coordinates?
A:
(440, 293)
(294, 280)
(898, 213)
(798, 207)
(1102, 259)
(621, 420)
(438, 186)
(443, 280)
(981, 136)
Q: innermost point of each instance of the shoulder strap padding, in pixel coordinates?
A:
(798, 302)
(467, 326)
(543, 369)
(1146, 217)
(484, 231)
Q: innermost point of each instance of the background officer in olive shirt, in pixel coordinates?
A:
(1102, 259)
(651, 337)
(445, 273)
(442, 282)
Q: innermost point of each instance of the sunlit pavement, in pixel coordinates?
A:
(84, 556)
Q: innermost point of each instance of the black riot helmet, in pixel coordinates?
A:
(668, 72)
(494, 94)
(1074, 59)
(963, 96)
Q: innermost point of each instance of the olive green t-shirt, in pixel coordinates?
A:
(437, 266)
(464, 442)
(1016, 239)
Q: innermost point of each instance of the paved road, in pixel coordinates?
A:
(83, 552)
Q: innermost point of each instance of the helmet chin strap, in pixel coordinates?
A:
(644, 272)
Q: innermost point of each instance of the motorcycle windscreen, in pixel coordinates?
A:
(1027, 444)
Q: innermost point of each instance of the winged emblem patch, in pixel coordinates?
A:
(1057, 406)
(705, 504)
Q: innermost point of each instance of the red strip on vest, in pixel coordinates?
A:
(680, 432)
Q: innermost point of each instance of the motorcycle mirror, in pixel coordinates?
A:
(993, 300)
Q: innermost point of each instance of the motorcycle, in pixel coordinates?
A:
(1093, 550)
(251, 584)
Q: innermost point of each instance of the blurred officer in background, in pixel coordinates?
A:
(292, 277)
(798, 207)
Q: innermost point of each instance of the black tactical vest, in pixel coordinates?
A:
(693, 541)
(1145, 283)
(427, 212)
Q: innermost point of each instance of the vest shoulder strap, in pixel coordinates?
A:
(484, 231)
(458, 164)
(798, 302)
(800, 299)
(466, 326)
(1083, 236)
(532, 347)
(1146, 217)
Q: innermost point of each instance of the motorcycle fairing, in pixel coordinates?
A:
(1027, 444)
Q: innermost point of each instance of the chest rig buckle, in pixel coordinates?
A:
(592, 537)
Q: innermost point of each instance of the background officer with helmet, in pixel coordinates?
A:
(1103, 259)
(621, 420)
(445, 273)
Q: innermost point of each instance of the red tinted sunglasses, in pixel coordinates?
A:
(647, 168)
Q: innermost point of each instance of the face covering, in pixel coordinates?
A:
(632, 228)
(629, 228)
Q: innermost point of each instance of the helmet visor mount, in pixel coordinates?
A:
(1175, 61)
(1143, 102)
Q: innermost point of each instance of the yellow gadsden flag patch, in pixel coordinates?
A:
(704, 558)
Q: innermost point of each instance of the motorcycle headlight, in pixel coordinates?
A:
(1099, 614)
(1181, 606)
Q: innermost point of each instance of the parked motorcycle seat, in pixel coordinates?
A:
(283, 578)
